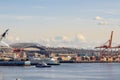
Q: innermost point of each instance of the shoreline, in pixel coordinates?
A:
(90, 62)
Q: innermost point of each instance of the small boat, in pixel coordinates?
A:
(42, 65)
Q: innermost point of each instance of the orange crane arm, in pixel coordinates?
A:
(110, 41)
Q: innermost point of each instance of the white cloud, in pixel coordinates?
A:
(17, 39)
(104, 23)
(98, 18)
(80, 37)
(62, 38)
(77, 41)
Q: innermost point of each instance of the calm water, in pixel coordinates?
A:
(81, 71)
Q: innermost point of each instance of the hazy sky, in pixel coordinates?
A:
(69, 23)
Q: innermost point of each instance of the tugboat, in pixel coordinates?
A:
(42, 65)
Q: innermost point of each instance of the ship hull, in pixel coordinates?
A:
(14, 63)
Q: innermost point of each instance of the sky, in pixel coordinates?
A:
(61, 23)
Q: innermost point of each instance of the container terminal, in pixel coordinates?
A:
(20, 54)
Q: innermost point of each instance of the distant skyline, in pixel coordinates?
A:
(61, 23)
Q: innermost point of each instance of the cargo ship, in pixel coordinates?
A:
(15, 63)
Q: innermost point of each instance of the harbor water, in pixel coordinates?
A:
(69, 71)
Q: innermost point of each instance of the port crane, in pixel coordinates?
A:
(4, 34)
(116, 49)
(106, 45)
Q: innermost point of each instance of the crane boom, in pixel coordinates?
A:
(4, 34)
(110, 41)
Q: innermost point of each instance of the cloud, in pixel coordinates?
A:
(62, 38)
(98, 18)
(80, 37)
(77, 41)
(104, 23)
(17, 39)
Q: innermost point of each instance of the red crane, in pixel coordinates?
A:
(106, 45)
(117, 50)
